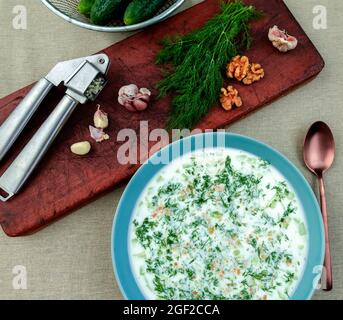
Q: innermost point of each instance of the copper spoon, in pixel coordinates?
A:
(319, 153)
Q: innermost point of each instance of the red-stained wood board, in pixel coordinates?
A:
(64, 182)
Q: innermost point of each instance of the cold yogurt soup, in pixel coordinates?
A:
(218, 224)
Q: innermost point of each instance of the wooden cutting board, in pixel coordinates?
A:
(64, 182)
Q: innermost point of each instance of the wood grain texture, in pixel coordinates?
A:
(64, 182)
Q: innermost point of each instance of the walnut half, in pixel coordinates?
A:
(238, 68)
(255, 73)
(229, 97)
(241, 69)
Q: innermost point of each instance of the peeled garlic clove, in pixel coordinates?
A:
(100, 119)
(81, 148)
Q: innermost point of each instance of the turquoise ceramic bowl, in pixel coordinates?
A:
(120, 231)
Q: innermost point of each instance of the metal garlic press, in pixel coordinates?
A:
(84, 79)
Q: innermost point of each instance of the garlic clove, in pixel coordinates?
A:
(98, 134)
(140, 105)
(275, 33)
(81, 148)
(122, 100)
(100, 119)
(145, 91)
(292, 42)
(281, 46)
(129, 106)
(144, 97)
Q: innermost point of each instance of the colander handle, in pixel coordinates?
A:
(17, 120)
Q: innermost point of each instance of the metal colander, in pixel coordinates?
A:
(67, 9)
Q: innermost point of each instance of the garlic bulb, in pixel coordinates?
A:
(282, 40)
(133, 98)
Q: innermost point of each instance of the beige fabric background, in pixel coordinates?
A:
(71, 259)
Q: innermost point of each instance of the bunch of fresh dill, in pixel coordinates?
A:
(198, 60)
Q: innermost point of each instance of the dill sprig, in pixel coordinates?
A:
(198, 60)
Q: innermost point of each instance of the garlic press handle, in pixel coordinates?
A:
(21, 168)
(17, 120)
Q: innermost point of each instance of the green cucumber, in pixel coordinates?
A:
(103, 11)
(85, 6)
(141, 10)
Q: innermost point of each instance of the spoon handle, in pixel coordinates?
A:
(327, 260)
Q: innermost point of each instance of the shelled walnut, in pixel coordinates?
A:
(241, 69)
(229, 97)
(255, 73)
(238, 67)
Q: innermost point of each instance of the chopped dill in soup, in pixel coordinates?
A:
(218, 224)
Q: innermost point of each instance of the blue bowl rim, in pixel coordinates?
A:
(303, 291)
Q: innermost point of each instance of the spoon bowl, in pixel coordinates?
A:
(319, 148)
